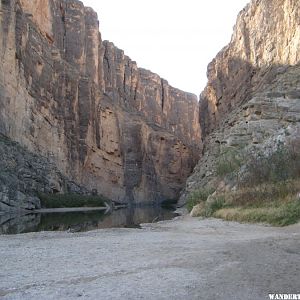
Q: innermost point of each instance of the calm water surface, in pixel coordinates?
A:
(83, 221)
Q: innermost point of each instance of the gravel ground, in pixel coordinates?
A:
(180, 259)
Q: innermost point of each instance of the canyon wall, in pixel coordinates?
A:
(265, 41)
(85, 106)
(251, 103)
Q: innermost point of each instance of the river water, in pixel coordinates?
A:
(83, 221)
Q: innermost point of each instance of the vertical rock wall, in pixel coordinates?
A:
(87, 107)
(251, 103)
(265, 41)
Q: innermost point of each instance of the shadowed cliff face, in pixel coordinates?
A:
(266, 35)
(82, 103)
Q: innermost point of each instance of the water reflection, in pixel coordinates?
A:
(82, 221)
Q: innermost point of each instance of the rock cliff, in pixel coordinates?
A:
(23, 174)
(264, 43)
(252, 99)
(87, 108)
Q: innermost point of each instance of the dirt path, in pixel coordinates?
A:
(180, 259)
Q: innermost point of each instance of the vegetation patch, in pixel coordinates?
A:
(281, 165)
(4, 139)
(263, 194)
(267, 187)
(71, 200)
(213, 205)
(62, 221)
(197, 197)
(275, 204)
(282, 215)
(229, 162)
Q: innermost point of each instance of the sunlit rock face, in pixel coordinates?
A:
(85, 106)
(252, 99)
(265, 41)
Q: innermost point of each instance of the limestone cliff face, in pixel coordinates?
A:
(252, 99)
(87, 107)
(265, 41)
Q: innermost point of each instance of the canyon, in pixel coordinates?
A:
(95, 120)
(78, 116)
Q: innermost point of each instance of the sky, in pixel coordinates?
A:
(175, 39)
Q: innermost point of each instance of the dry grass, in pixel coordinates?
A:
(268, 186)
(267, 193)
(283, 215)
(276, 204)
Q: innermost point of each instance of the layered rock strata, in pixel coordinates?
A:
(265, 41)
(252, 99)
(84, 105)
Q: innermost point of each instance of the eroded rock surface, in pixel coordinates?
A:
(23, 174)
(252, 99)
(84, 105)
(265, 42)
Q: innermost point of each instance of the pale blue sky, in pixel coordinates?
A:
(175, 39)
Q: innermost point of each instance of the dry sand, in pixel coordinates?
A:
(180, 259)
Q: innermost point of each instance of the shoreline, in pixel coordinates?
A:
(70, 209)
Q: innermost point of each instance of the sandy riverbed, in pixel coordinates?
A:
(180, 259)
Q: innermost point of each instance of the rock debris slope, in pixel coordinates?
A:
(87, 108)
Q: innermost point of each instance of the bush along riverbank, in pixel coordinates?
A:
(266, 188)
(72, 200)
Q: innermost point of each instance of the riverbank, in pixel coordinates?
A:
(180, 259)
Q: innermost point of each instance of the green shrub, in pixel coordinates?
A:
(63, 221)
(229, 162)
(267, 185)
(288, 214)
(214, 205)
(198, 196)
(5, 140)
(281, 165)
(71, 200)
